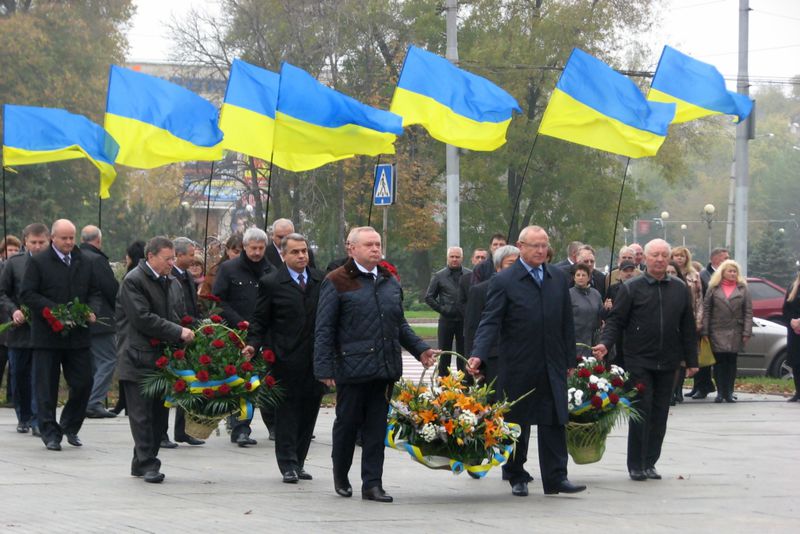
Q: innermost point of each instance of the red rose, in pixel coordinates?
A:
(579, 358)
(212, 298)
(268, 356)
(247, 367)
(593, 387)
(215, 319)
(208, 393)
(57, 326)
(224, 389)
(617, 382)
(186, 320)
(202, 376)
(179, 354)
(640, 387)
(599, 369)
(583, 372)
(47, 313)
(180, 385)
(248, 386)
(208, 330)
(243, 325)
(204, 359)
(613, 398)
(269, 381)
(230, 370)
(233, 336)
(597, 401)
(217, 343)
(162, 362)
(154, 342)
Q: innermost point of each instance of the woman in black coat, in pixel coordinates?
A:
(791, 316)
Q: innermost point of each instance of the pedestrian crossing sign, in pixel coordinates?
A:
(385, 186)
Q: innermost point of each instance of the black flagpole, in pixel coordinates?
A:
(99, 212)
(372, 192)
(519, 189)
(5, 218)
(616, 219)
(208, 210)
(269, 191)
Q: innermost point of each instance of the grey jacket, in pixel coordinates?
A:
(586, 308)
(727, 320)
(148, 318)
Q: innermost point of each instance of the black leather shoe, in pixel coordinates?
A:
(36, 432)
(23, 428)
(718, 399)
(73, 439)
(637, 474)
(167, 444)
(651, 473)
(343, 487)
(691, 394)
(102, 413)
(700, 395)
(154, 477)
(190, 440)
(302, 474)
(245, 440)
(376, 493)
(793, 398)
(290, 477)
(730, 398)
(679, 396)
(520, 489)
(53, 445)
(565, 486)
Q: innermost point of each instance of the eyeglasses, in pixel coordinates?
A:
(539, 246)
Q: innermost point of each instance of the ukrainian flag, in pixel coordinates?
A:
(247, 117)
(595, 106)
(455, 106)
(697, 89)
(157, 122)
(317, 125)
(44, 135)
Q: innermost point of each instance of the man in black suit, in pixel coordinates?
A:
(104, 346)
(528, 307)
(36, 237)
(485, 269)
(147, 309)
(58, 275)
(283, 321)
(572, 257)
(280, 229)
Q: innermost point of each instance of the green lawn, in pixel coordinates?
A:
(425, 331)
(425, 314)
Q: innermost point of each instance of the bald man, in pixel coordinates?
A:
(58, 275)
(280, 229)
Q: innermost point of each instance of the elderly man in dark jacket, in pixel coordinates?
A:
(444, 297)
(360, 330)
(528, 308)
(236, 285)
(36, 237)
(147, 315)
(56, 276)
(654, 311)
(104, 350)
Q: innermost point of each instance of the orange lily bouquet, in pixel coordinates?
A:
(449, 425)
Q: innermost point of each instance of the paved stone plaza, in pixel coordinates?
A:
(727, 468)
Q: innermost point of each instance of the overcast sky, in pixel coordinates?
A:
(705, 29)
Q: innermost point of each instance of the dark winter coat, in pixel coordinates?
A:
(444, 293)
(107, 282)
(19, 337)
(236, 285)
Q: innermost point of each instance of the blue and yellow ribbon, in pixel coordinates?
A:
(195, 386)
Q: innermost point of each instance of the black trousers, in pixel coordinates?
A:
(294, 424)
(244, 427)
(3, 365)
(147, 418)
(180, 425)
(77, 367)
(552, 445)
(646, 436)
(703, 382)
(361, 406)
(450, 329)
(725, 373)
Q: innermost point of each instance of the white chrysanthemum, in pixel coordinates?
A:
(603, 384)
(468, 418)
(570, 406)
(578, 397)
(428, 432)
(593, 379)
(581, 365)
(617, 370)
(591, 360)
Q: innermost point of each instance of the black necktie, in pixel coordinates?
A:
(301, 282)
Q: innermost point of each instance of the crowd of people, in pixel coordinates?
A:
(518, 316)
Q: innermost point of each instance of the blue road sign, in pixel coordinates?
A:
(385, 185)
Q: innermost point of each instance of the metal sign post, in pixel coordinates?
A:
(384, 193)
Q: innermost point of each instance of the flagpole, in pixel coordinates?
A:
(616, 219)
(99, 212)
(372, 192)
(519, 189)
(208, 210)
(269, 190)
(5, 225)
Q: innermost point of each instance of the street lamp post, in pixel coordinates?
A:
(664, 217)
(708, 216)
(683, 231)
(625, 231)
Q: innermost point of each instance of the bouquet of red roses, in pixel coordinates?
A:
(64, 317)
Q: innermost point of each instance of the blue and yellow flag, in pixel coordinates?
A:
(157, 122)
(455, 106)
(317, 125)
(697, 89)
(247, 117)
(595, 106)
(44, 135)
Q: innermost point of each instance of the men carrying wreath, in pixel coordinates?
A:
(57, 276)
